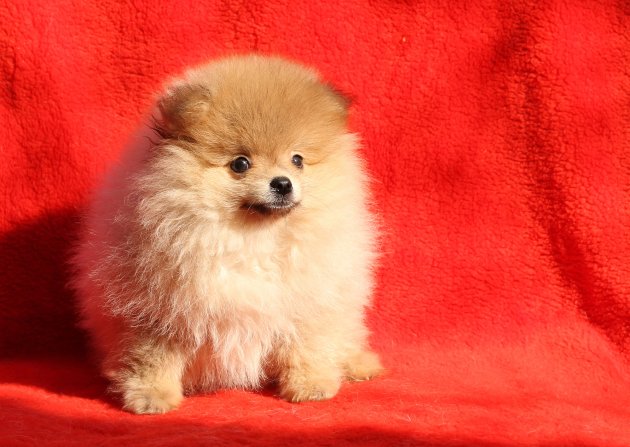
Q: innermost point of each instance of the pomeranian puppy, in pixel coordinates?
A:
(233, 246)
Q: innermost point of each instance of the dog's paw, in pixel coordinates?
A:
(151, 400)
(363, 366)
(300, 388)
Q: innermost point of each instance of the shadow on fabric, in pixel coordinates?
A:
(37, 313)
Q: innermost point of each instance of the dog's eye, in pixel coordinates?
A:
(240, 165)
(297, 160)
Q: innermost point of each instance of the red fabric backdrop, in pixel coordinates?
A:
(498, 135)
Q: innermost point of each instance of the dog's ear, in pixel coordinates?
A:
(342, 99)
(181, 108)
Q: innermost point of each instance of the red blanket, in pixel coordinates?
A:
(498, 135)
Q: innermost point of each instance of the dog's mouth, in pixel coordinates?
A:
(270, 208)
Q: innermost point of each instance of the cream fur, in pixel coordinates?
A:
(184, 289)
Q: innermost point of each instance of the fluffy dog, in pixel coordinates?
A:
(233, 246)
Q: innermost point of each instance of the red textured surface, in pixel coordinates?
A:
(498, 134)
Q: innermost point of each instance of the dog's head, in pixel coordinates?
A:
(258, 127)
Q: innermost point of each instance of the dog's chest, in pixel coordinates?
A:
(251, 306)
(246, 267)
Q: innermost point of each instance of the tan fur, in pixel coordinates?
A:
(184, 288)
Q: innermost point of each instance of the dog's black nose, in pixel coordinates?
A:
(281, 185)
